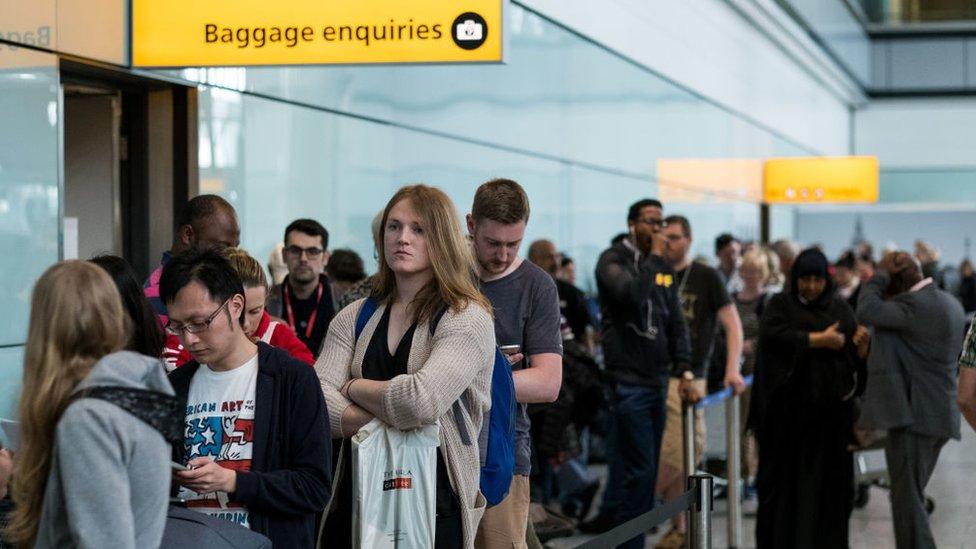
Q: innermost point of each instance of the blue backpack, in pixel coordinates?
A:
(497, 437)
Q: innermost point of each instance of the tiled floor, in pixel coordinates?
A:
(953, 488)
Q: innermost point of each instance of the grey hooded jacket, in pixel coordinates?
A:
(110, 476)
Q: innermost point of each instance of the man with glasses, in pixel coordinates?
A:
(207, 221)
(707, 306)
(645, 342)
(304, 299)
(256, 434)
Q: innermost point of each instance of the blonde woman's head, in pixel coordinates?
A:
(255, 286)
(76, 319)
(754, 269)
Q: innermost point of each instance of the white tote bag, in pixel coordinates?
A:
(394, 487)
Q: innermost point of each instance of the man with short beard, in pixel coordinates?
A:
(304, 299)
(526, 310)
(707, 307)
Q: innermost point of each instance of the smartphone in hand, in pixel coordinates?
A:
(179, 466)
(510, 349)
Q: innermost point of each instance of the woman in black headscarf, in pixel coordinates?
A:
(808, 370)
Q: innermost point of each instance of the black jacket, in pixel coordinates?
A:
(644, 332)
(291, 470)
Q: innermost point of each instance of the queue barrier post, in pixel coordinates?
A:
(700, 512)
(688, 438)
(733, 457)
(734, 471)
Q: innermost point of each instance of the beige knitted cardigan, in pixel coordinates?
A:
(458, 358)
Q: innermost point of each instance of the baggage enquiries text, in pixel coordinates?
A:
(259, 37)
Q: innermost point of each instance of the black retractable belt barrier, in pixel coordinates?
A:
(638, 525)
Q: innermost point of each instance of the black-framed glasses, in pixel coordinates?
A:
(297, 251)
(195, 327)
(656, 223)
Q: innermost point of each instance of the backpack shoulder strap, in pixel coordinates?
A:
(365, 313)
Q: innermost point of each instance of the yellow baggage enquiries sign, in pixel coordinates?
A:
(212, 33)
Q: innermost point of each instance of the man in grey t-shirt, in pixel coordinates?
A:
(526, 308)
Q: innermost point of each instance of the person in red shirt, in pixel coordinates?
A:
(258, 324)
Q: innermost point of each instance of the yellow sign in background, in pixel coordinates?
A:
(204, 33)
(820, 179)
(709, 179)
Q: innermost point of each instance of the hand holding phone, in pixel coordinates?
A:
(509, 349)
(512, 353)
(178, 466)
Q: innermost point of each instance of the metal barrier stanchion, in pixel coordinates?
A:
(688, 438)
(700, 513)
(733, 459)
(734, 495)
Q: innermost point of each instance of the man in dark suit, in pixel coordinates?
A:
(911, 385)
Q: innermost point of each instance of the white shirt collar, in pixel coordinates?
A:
(921, 284)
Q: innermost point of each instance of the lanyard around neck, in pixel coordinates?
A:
(291, 314)
(684, 280)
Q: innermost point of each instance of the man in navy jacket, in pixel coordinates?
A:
(256, 435)
(645, 342)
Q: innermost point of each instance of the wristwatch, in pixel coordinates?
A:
(688, 375)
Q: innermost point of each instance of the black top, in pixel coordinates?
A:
(380, 365)
(702, 294)
(303, 308)
(645, 337)
(572, 305)
(967, 293)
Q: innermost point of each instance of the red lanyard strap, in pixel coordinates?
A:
(291, 313)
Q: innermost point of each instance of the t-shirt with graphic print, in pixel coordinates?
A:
(220, 425)
(702, 294)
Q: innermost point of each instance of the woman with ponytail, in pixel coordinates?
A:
(92, 469)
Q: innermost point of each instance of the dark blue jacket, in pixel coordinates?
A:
(291, 467)
(645, 338)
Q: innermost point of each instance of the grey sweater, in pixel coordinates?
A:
(110, 475)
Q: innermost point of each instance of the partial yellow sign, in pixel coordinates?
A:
(710, 180)
(209, 33)
(820, 179)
